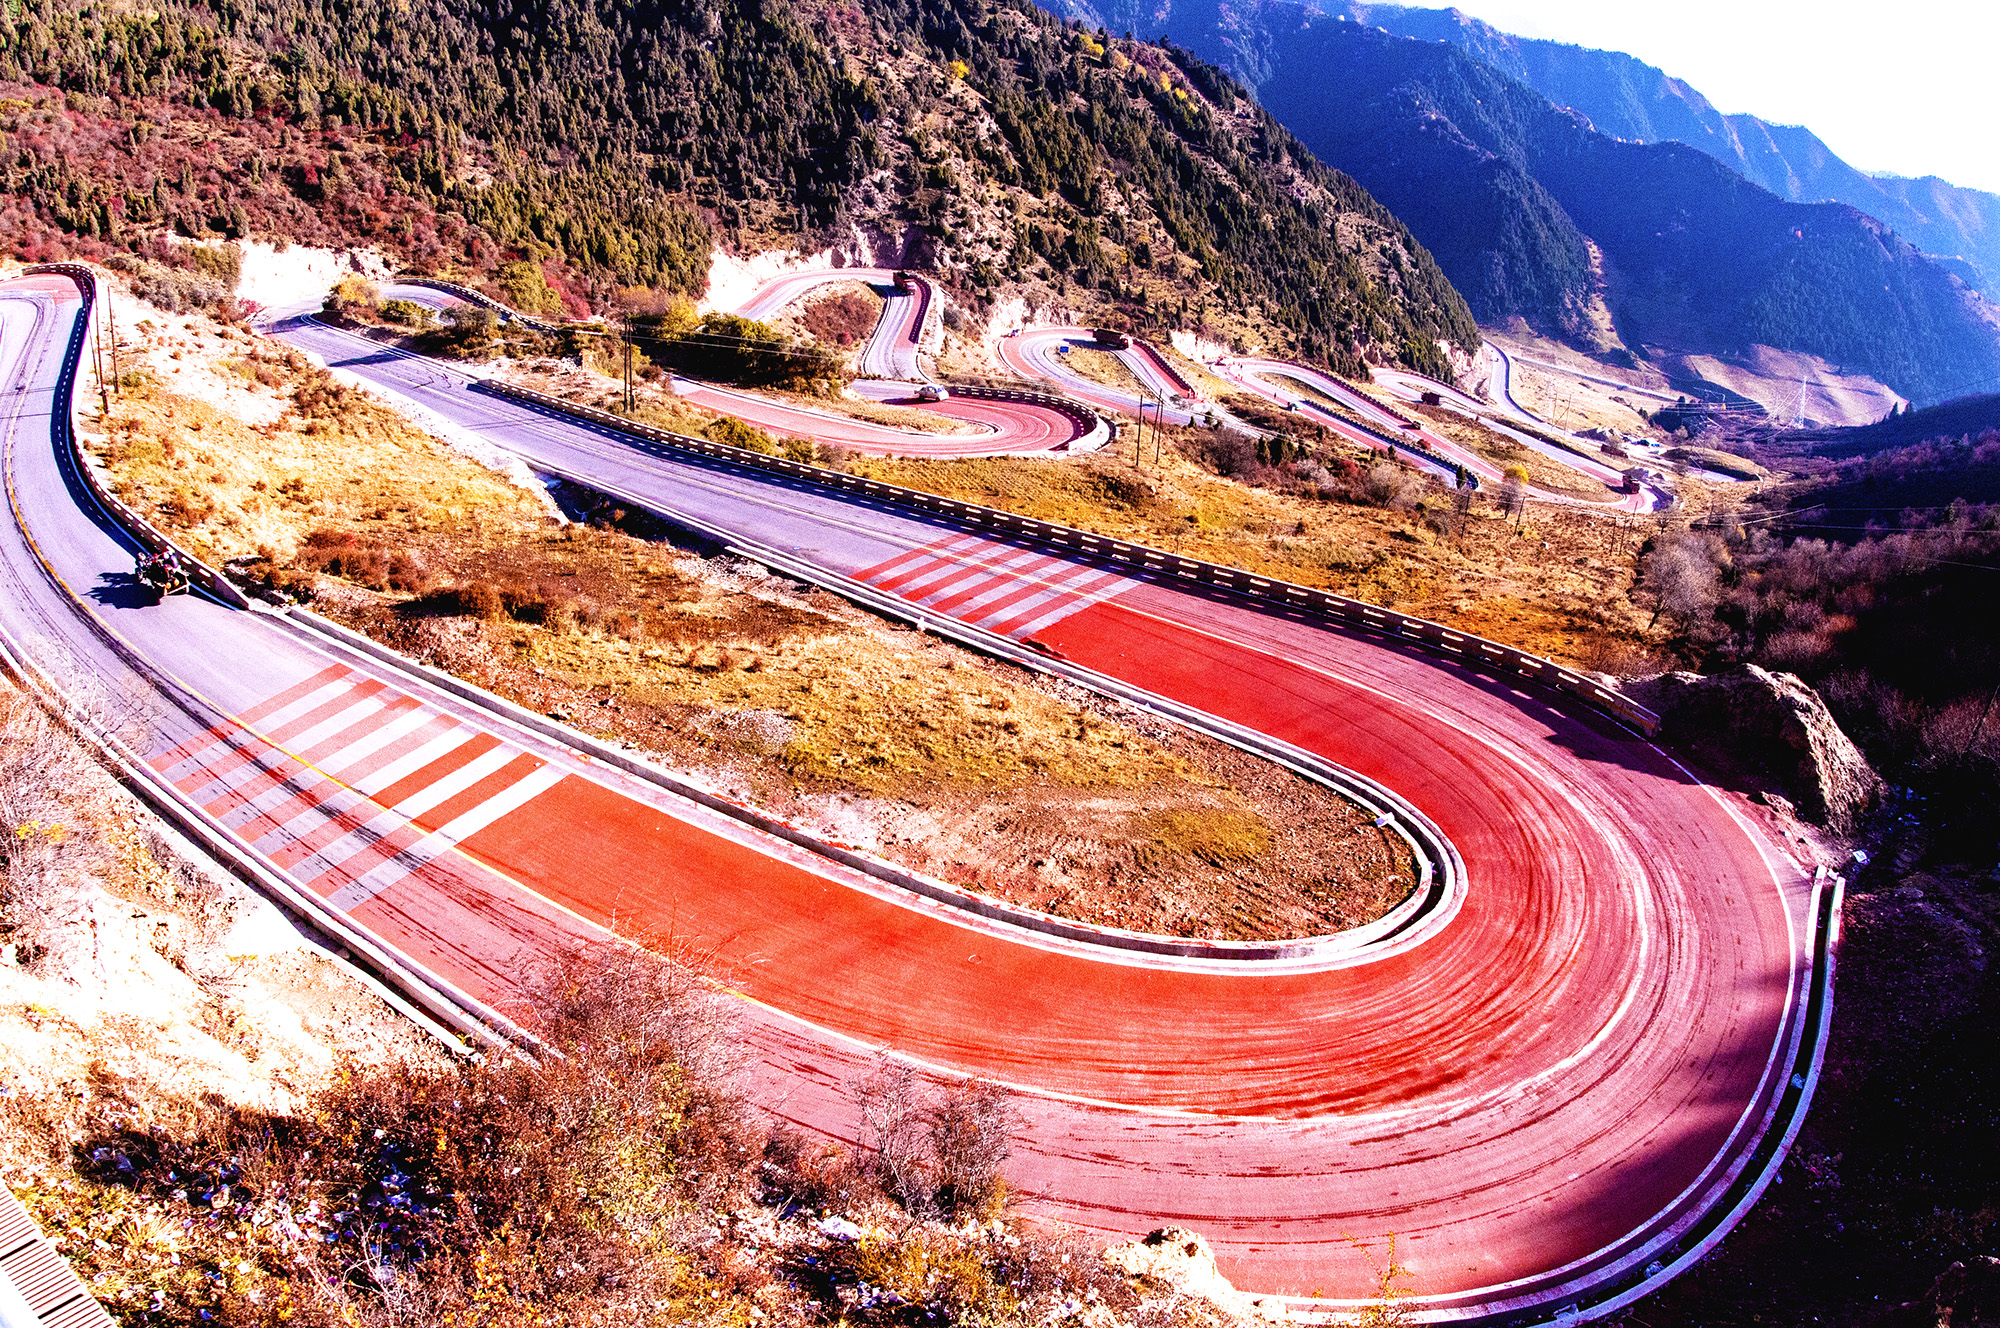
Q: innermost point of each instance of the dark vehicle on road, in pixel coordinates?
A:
(162, 574)
(901, 280)
(1111, 338)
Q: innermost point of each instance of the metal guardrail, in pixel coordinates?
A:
(155, 540)
(1692, 1240)
(472, 296)
(1096, 429)
(1270, 592)
(1441, 875)
(402, 983)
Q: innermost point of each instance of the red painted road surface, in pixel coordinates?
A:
(1569, 1057)
(1003, 427)
(1580, 1055)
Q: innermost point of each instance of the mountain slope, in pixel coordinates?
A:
(612, 142)
(1630, 99)
(1534, 214)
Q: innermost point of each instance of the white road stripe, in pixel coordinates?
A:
(311, 701)
(1076, 605)
(440, 841)
(411, 762)
(301, 824)
(354, 714)
(980, 562)
(391, 819)
(902, 562)
(369, 744)
(961, 575)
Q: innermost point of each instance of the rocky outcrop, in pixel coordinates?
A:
(1179, 1260)
(1767, 726)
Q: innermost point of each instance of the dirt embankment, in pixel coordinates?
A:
(978, 772)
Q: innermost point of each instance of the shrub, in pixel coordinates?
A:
(935, 1151)
(407, 313)
(527, 288)
(541, 600)
(732, 432)
(730, 349)
(362, 561)
(49, 853)
(575, 1187)
(353, 297)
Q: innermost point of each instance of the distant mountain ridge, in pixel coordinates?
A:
(1534, 213)
(1627, 98)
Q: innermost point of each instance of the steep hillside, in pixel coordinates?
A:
(1534, 214)
(1627, 98)
(616, 144)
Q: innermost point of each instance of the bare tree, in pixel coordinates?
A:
(1680, 573)
(1461, 508)
(1514, 492)
(968, 1137)
(934, 1152)
(892, 1109)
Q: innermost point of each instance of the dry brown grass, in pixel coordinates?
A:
(328, 457)
(800, 701)
(1102, 366)
(1544, 472)
(55, 823)
(842, 314)
(1558, 586)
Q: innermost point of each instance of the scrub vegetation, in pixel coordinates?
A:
(1008, 151)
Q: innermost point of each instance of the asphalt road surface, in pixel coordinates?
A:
(1536, 1095)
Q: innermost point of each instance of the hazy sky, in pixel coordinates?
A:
(1907, 86)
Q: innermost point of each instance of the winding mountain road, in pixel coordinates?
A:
(1559, 1096)
(995, 426)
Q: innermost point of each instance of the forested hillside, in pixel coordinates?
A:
(1510, 192)
(617, 143)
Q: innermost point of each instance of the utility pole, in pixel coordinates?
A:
(111, 316)
(97, 360)
(628, 378)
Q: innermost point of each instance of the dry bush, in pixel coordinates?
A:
(572, 1188)
(51, 850)
(842, 319)
(522, 596)
(935, 1152)
(909, 1273)
(365, 562)
(318, 396)
(804, 1175)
